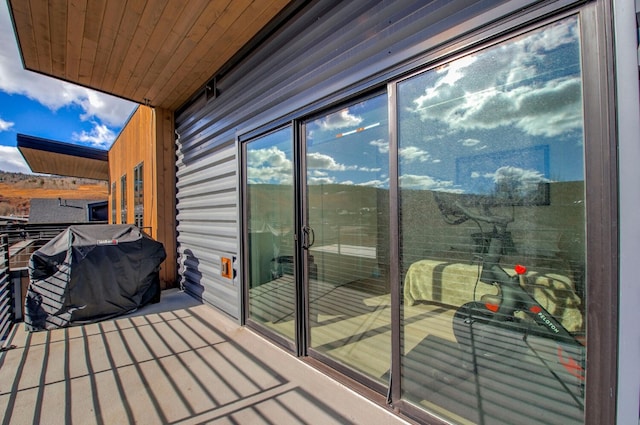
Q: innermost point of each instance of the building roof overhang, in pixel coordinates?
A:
(153, 52)
(63, 159)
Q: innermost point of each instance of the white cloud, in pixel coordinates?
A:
(100, 136)
(5, 125)
(413, 153)
(382, 145)
(321, 180)
(269, 165)
(50, 92)
(12, 161)
(516, 178)
(376, 183)
(466, 96)
(370, 169)
(469, 142)
(565, 114)
(340, 119)
(413, 181)
(325, 162)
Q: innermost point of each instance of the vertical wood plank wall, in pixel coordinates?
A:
(148, 138)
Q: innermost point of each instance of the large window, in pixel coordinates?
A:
(492, 232)
(138, 195)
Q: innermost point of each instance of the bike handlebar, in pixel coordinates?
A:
(454, 212)
(492, 219)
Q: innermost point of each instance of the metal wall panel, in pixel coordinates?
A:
(207, 223)
(326, 52)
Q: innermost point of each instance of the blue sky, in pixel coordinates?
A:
(506, 117)
(45, 107)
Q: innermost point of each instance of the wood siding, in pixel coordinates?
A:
(147, 138)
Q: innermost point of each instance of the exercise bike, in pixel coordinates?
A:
(498, 328)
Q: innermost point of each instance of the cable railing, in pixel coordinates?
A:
(18, 242)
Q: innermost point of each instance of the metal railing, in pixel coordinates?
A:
(18, 242)
(7, 313)
(21, 231)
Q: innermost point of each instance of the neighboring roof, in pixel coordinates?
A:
(152, 52)
(63, 159)
(61, 210)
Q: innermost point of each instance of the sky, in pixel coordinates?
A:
(511, 112)
(500, 121)
(45, 107)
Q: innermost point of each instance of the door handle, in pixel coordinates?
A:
(309, 237)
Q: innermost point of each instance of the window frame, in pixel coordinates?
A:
(123, 199)
(138, 195)
(114, 206)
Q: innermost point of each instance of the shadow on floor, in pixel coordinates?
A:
(174, 362)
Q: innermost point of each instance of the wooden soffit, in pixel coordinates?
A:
(155, 52)
(63, 159)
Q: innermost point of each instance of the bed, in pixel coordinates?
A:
(454, 282)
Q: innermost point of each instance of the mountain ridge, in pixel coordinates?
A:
(17, 190)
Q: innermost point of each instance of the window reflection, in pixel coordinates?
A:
(123, 199)
(491, 176)
(138, 195)
(269, 194)
(113, 204)
(347, 163)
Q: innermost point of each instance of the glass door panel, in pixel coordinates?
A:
(347, 192)
(270, 233)
(492, 232)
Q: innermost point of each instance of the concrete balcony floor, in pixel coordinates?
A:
(176, 362)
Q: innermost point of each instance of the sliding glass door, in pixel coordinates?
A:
(346, 207)
(337, 306)
(492, 231)
(472, 173)
(269, 223)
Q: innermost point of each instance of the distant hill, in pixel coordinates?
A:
(17, 189)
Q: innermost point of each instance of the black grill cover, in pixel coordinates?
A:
(90, 273)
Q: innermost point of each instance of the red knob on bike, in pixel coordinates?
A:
(520, 269)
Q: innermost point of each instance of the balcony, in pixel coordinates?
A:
(177, 361)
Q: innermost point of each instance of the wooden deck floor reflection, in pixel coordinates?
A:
(188, 365)
(352, 325)
(352, 322)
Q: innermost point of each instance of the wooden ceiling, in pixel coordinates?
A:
(158, 52)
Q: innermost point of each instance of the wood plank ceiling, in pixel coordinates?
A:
(158, 52)
(42, 161)
(64, 159)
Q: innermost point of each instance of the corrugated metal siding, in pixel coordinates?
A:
(328, 51)
(207, 224)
